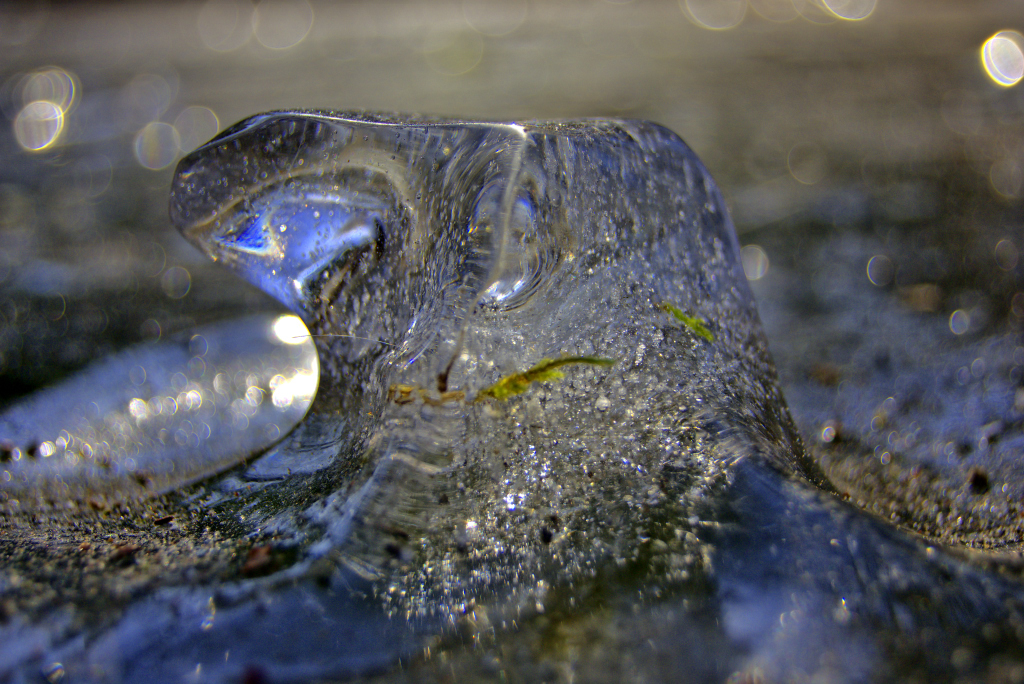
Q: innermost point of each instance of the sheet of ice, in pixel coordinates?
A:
(158, 416)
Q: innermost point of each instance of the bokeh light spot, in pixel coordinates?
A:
(282, 24)
(807, 163)
(850, 10)
(814, 11)
(755, 262)
(54, 672)
(225, 25)
(150, 329)
(880, 270)
(147, 96)
(176, 282)
(52, 84)
(959, 322)
(93, 175)
(196, 125)
(1007, 177)
(38, 124)
(1017, 304)
(137, 375)
(1002, 57)
(157, 145)
(828, 433)
(715, 15)
(1006, 255)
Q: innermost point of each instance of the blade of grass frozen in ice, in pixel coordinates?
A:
(545, 371)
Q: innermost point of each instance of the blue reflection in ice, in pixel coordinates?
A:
(298, 243)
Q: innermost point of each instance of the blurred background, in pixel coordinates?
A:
(871, 153)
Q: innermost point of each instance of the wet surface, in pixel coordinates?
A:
(873, 170)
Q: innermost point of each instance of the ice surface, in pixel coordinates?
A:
(158, 416)
(433, 258)
(446, 268)
(548, 440)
